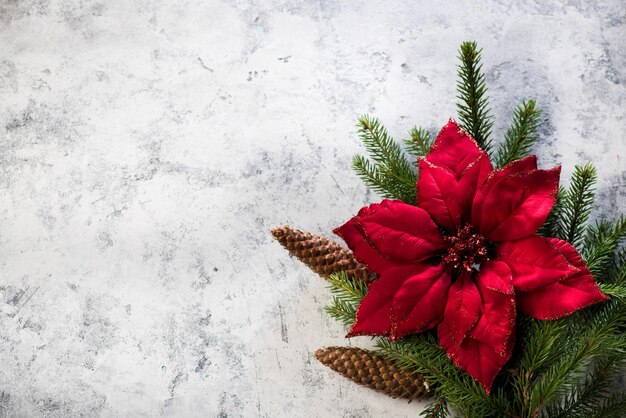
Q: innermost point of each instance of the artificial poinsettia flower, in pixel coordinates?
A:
(468, 256)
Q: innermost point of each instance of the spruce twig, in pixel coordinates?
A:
(600, 244)
(614, 283)
(389, 173)
(595, 390)
(550, 228)
(522, 134)
(438, 409)
(347, 295)
(613, 407)
(614, 290)
(593, 334)
(473, 105)
(576, 205)
(420, 142)
(423, 354)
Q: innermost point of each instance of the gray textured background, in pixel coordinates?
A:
(147, 148)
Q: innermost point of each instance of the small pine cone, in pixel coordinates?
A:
(369, 369)
(321, 255)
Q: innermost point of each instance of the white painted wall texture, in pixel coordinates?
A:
(148, 147)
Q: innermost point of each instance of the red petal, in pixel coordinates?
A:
(375, 312)
(453, 149)
(489, 345)
(518, 166)
(562, 298)
(402, 233)
(495, 284)
(352, 233)
(449, 176)
(463, 308)
(419, 304)
(496, 275)
(477, 359)
(517, 205)
(534, 262)
(446, 195)
(366, 210)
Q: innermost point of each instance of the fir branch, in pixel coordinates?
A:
(422, 354)
(341, 311)
(577, 204)
(438, 409)
(538, 344)
(539, 352)
(549, 385)
(551, 225)
(522, 134)
(390, 174)
(554, 368)
(593, 334)
(370, 175)
(347, 295)
(614, 290)
(585, 398)
(613, 283)
(473, 105)
(420, 142)
(614, 406)
(600, 244)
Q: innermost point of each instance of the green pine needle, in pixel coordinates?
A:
(436, 409)
(522, 134)
(370, 174)
(539, 352)
(585, 398)
(420, 142)
(550, 228)
(576, 205)
(423, 354)
(613, 407)
(473, 105)
(592, 335)
(347, 295)
(614, 290)
(600, 245)
(389, 173)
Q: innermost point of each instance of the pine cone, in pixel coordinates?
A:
(321, 255)
(369, 369)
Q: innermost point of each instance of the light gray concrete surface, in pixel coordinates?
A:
(148, 147)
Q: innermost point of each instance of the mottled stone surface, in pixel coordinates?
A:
(148, 147)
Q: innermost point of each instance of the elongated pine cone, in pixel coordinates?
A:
(321, 255)
(369, 369)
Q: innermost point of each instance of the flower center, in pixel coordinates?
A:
(466, 249)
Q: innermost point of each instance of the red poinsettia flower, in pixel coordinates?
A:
(467, 256)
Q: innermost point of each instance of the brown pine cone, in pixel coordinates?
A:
(321, 255)
(369, 369)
